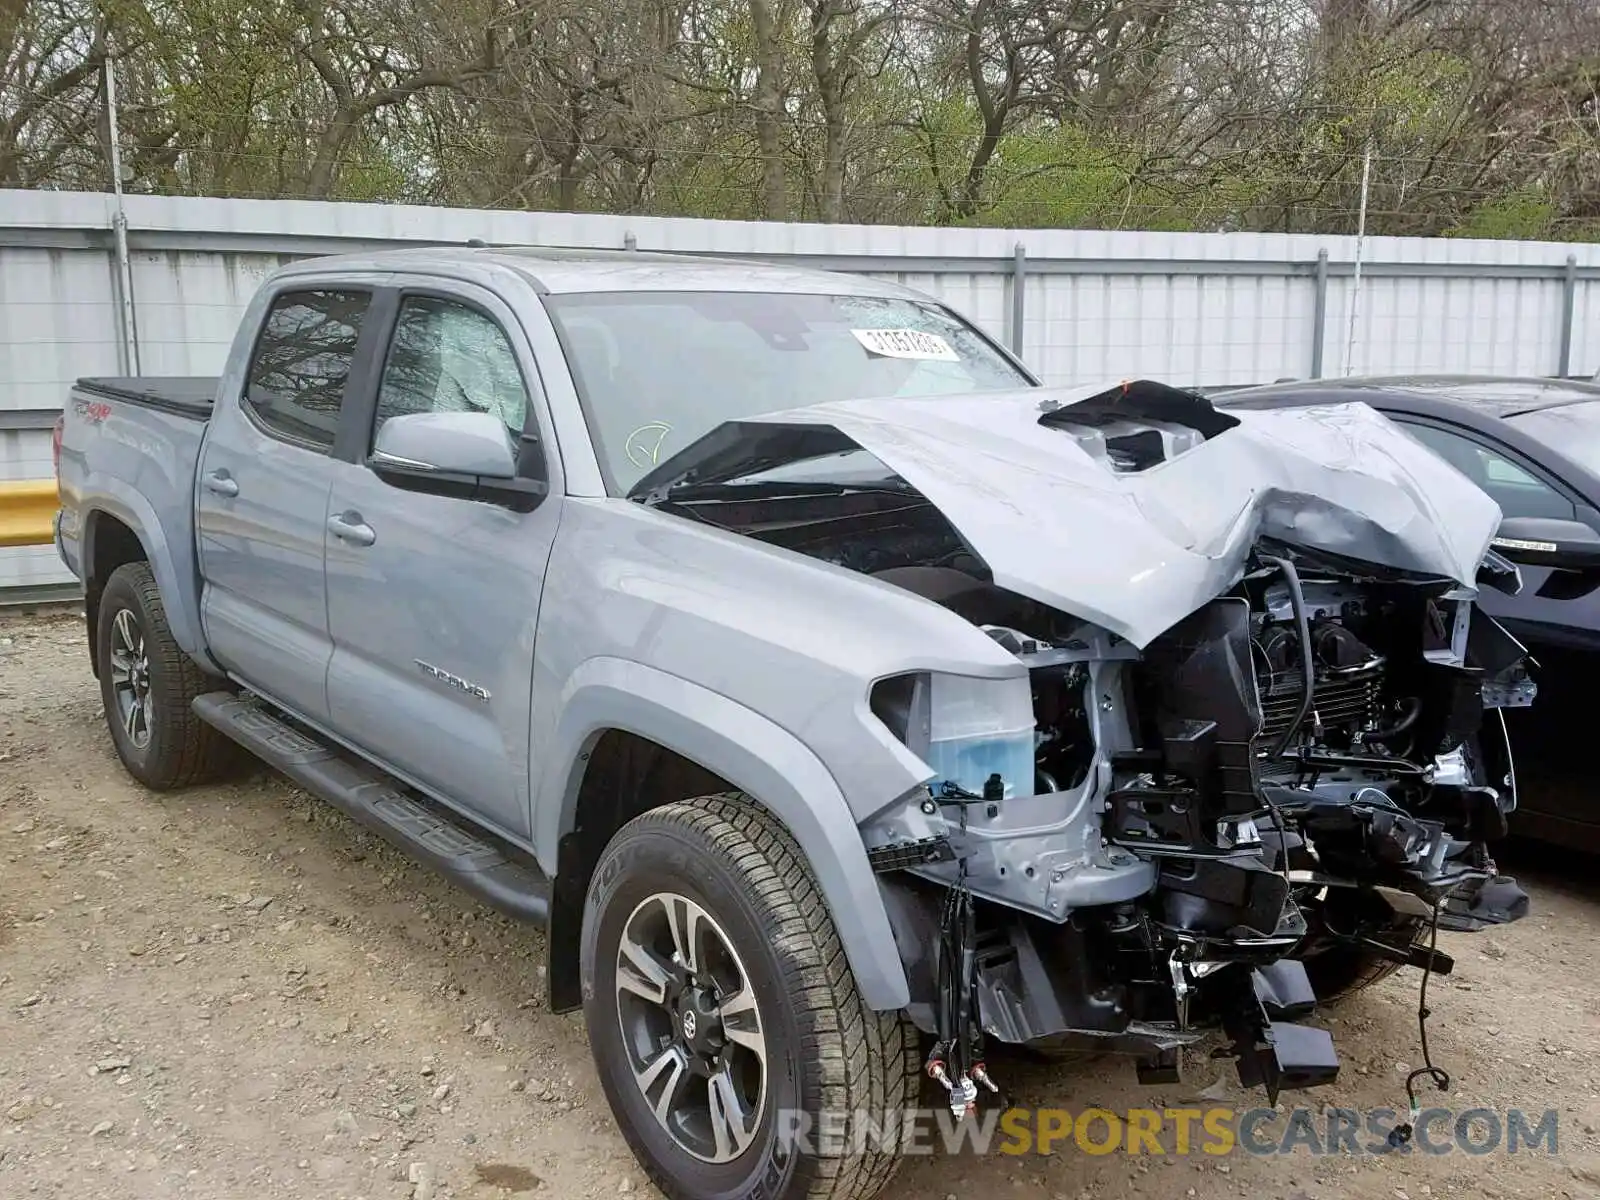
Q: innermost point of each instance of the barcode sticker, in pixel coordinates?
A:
(906, 343)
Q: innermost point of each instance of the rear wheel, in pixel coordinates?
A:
(724, 1019)
(147, 684)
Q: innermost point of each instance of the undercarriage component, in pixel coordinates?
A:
(1494, 901)
(1272, 1051)
(1159, 1068)
(1277, 1054)
(897, 856)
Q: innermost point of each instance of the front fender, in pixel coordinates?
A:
(753, 755)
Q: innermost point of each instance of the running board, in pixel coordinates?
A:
(472, 860)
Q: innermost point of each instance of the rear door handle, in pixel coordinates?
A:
(222, 483)
(349, 527)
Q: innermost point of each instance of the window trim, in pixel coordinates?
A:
(1516, 457)
(382, 366)
(353, 380)
(364, 418)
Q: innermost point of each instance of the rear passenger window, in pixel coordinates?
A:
(449, 357)
(301, 364)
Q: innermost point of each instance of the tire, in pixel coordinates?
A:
(142, 670)
(725, 869)
(1340, 972)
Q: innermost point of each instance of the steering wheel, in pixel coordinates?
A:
(643, 445)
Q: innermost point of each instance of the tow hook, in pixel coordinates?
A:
(963, 1092)
(956, 1059)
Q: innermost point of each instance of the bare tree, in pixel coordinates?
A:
(52, 53)
(841, 35)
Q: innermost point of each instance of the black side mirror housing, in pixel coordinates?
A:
(1548, 542)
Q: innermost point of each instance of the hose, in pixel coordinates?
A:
(1308, 683)
(1413, 711)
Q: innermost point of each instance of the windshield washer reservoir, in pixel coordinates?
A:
(978, 728)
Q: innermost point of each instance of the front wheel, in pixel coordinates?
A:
(734, 1049)
(1345, 967)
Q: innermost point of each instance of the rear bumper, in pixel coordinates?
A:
(67, 548)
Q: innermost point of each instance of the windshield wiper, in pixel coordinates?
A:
(732, 490)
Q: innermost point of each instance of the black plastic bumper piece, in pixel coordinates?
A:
(498, 875)
(1499, 900)
(1271, 1050)
(1283, 990)
(1159, 1068)
(1284, 1055)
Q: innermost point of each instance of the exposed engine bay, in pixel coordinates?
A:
(1275, 800)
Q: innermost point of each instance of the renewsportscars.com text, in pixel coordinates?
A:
(1213, 1131)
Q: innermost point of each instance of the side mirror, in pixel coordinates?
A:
(468, 455)
(1548, 542)
(446, 443)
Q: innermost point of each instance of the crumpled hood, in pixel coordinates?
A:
(1136, 552)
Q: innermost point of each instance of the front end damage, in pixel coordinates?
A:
(1253, 757)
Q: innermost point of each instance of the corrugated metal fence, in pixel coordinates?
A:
(1205, 309)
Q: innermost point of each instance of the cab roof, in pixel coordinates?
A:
(556, 270)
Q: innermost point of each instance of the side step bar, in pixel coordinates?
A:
(498, 876)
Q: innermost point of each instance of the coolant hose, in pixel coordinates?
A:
(1297, 602)
(1413, 711)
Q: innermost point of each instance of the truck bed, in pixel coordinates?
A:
(129, 449)
(182, 395)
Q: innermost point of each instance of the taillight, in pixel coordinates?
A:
(55, 446)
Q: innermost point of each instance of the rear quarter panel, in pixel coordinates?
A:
(136, 465)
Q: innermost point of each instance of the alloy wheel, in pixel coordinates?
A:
(691, 1027)
(130, 678)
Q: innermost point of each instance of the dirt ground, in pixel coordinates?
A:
(236, 992)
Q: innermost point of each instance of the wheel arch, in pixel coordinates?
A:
(631, 739)
(120, 530)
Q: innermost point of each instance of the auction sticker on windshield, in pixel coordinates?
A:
(906, 343)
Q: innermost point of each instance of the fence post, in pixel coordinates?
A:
(1569, 297)
(127, 318)
(629, 242)
(1319, 314)
(1019, 295)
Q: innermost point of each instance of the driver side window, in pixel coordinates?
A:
(1517, 491)
(446, 356)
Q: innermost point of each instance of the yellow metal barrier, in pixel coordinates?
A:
(26, 512)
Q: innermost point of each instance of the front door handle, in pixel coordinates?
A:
(222, 483)
(349, 527)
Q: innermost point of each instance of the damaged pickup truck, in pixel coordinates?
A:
(845, 703)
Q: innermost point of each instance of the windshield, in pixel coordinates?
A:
(656, 371)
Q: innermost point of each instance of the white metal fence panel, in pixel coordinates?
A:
(57, 322)
(1080, 305)
(188, 304)
(1586, 329)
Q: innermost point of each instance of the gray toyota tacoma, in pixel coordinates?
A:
(845, 703)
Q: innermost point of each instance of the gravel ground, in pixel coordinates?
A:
(235, 992)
